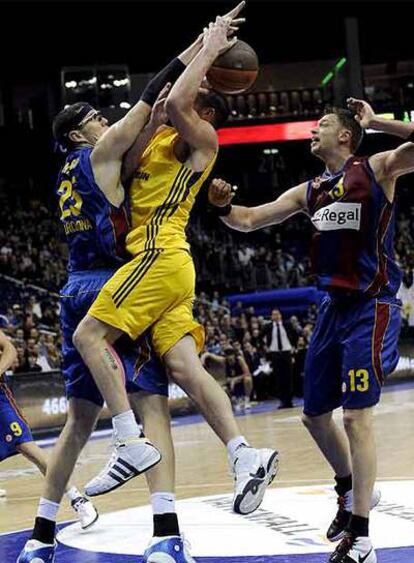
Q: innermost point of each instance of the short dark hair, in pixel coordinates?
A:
(67, 120)
(347, 119)
(212, 99)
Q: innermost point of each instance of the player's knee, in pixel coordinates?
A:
(307, 421)
(316, 422)
(357, 422)
(84, 336)
(178, 369)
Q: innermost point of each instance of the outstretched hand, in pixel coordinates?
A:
(364, 114)
(220, 192)
(217, 36)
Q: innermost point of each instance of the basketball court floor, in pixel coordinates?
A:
(290, 525)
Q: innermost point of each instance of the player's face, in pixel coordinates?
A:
(325, 136)
(93, 127)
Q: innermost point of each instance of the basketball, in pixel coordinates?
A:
(235, 70)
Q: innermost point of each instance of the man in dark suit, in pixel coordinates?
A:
(279, 340)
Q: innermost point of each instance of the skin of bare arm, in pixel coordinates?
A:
(248, 219)
(8, 353)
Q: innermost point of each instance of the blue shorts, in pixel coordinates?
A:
(353, 348)
(76, 298)
(14, 429)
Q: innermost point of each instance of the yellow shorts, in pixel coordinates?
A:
(156, 289)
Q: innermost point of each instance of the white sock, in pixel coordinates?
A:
(48, 509)
(162, 503)
(73, 494)
(125, 425)
(234, 444)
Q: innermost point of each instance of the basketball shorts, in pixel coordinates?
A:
(153, 291)
(14, 429)
(353, 348)
(146, 373)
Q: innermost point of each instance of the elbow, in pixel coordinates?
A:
(248, 225)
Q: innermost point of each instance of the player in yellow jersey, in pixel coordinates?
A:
(156, 289)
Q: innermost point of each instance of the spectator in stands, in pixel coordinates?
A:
(238, 309)
(34, 307)
(52, 355)
(307, 332)
(278, 340)
(299, 355)
(296, 329)
(32, 364)
(260, 369)
(406, 294)
(238, 377)
(312, 314)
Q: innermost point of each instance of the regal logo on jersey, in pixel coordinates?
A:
(338, 216)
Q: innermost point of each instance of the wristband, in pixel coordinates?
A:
(221, 211)
(168, 74)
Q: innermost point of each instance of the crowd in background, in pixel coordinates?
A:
(33, 252)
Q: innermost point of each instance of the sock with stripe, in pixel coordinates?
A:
(165, 517)
(343, 484)
(45, 523)
(359, 526)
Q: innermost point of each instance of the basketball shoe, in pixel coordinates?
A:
(169, 549)
(37, 552)
(354, 549)
(253, 471)
(129, 459)
(86, 512)
(336, 530)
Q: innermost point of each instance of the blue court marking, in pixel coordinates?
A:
(11, 545)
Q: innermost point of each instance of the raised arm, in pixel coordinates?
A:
(197, 132)
(368, 119)
(8, 353)
(247, 219)
(388, 165)
(120, 136)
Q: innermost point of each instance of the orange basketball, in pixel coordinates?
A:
(235, 70)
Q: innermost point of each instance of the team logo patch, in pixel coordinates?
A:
(9, 438)
(338, 216)
(344, 387)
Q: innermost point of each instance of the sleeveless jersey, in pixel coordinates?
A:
(95, 229)
(162, 195)
(352, 245)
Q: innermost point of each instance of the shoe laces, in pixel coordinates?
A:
(341, 503)
(78, 503)
(346, 544)
(242, 468)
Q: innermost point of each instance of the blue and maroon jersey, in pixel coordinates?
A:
(95, 229)
(352, 244)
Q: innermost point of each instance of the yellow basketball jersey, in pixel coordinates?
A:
(162, 195)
